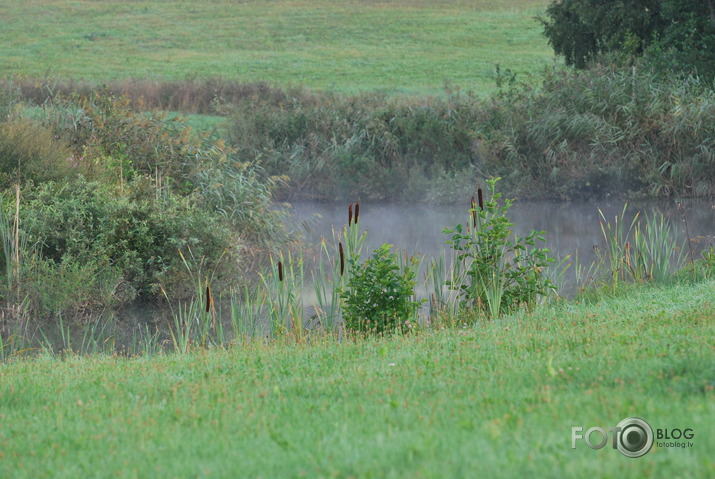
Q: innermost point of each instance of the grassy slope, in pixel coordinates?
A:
(499, 400)
(409, 46)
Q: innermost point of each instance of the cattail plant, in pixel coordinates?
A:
(284, 287)
(501, 271)
(334, 270)
(342, 258)
(195, 322)
(473, 210)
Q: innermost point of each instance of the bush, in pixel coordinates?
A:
(378, 298)
(133, 237)
(502, 273)
(117, 142)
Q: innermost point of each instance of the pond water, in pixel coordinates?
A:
(572, 228)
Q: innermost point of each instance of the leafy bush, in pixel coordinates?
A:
(502, 273)
(133, 236)
(378, 297)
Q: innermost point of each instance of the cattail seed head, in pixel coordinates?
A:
(480, 196)
(342, 258)
(350, 214)
(209, 300)
(280, 271)
(357, 212)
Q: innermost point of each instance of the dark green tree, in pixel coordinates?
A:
(680, 32)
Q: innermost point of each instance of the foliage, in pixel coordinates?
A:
(502, 274)
(604, 131)
(365, 145)
(31, 153)
(378, 296)
(117, 142)
(152, 189)
(128, 239)
(581, 30)
(239, 192)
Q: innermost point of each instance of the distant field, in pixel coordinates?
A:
(404, 46)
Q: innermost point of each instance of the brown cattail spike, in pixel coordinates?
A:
(357, 212)
(209, 300)
(350, 214)
(342, 258)
(480, 196)
(280, 271)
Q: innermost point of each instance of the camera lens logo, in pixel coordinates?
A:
(634, 437)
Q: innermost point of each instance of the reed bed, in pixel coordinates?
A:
(644, 249)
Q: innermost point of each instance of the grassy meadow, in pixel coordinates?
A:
(403, 46)
(495, 400)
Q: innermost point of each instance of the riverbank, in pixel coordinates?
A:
(500, 397)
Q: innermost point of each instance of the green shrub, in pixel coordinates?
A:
(378, 297)
(502, 272)
(135, 233)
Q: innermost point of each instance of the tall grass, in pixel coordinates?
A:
(284, 285)
(649, 250)
(577, 135)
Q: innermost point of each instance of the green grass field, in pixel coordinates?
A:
(403, 46)
(497, 400)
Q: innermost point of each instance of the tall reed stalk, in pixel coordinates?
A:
(195, 322)
(334, 270)
(284, 285)
(248, 314)
(649, 250)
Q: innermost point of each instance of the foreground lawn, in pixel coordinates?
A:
(498, 400)
(409, 46)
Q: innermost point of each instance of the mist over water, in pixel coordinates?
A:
(571, 228)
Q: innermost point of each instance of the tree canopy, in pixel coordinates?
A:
(677, 33)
